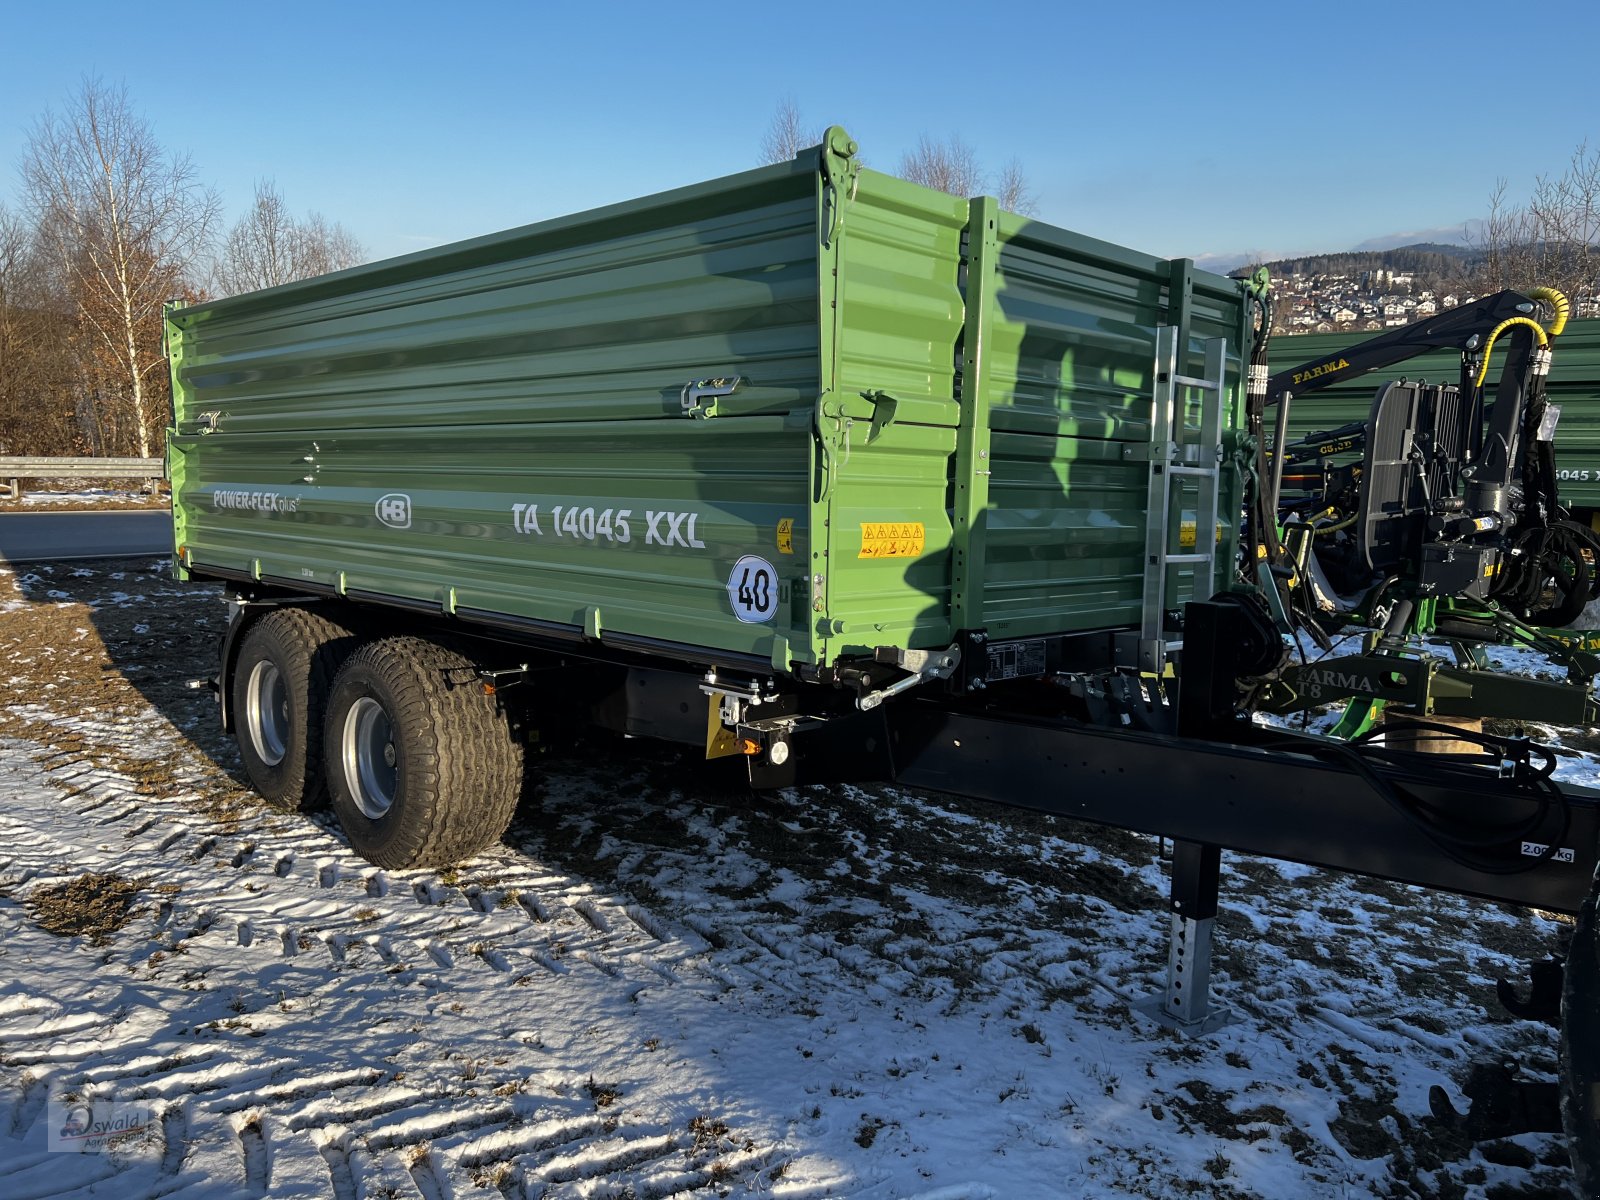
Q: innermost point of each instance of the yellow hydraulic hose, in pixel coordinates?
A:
(1557, 301)
(1325, 530)
(1538, 333)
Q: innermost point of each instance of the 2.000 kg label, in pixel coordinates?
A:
(589, 523)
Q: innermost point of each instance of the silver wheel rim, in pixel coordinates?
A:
(367, 751)
(267, 713)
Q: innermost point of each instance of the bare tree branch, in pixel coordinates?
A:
(788, 134)
(268, 246)
(327, 246)
(1011, 189)
(125, 224)
(1553, 240)
(36, 371)
(952, 166)
(949, 165)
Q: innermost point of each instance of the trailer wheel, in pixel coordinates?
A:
(421, 764)
(280, 686)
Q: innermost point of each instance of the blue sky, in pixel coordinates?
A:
(1180, 129)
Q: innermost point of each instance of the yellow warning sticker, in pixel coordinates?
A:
(1186, 535)
(892, 539)
(786, 536)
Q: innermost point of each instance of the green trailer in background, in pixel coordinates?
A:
(1574, 385)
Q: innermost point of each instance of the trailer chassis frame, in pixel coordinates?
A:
(1222, 782)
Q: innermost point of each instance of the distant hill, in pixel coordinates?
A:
(1434, 260)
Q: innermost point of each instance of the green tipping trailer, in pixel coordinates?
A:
(820, 467)
(1574, 385)
(797, 417)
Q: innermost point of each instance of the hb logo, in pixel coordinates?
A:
(394, 510)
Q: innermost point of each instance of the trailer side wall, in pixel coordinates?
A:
(939, 422)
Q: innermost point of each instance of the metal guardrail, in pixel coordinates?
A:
(16, 468)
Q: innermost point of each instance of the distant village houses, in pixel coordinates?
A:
(1313, 300)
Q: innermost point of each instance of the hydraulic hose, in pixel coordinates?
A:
(1479, 849)
(1558, 302)
(1325, 530)
(1539, 336)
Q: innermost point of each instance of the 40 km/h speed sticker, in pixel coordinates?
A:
(753, 590)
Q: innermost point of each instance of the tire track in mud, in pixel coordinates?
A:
(292, 889)
(174, 1137)
(578, 925)
(256, 1155)
(584, 930)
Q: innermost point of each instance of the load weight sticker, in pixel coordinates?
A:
(753, 590)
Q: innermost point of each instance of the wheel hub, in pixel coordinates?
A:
(368, 757)
(266, 713)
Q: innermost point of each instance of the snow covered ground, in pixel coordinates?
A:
(660, 985)
(89, 498)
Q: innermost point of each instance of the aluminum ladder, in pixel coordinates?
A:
(1172, 457)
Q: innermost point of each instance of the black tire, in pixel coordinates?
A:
(281, 680)
(443, 772)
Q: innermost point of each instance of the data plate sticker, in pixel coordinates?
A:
(1017, 660)
(753, 590)
(892, 539)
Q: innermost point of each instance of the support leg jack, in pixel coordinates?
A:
(1185, 1004)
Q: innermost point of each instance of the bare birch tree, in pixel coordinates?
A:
(125, 223)
(788, 134)
(1508, 242)
(1565, 210)
(951, 165)
(269, 246)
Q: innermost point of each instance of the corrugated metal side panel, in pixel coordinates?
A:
(1574, 384)
(1072, 360)
(1065, 537)
(1074, 346)
(639, 520)
(603, 320)
(1074, 341)
(899, 292)
(1073, 350)
(411, 429)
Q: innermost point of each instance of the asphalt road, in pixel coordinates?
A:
(34, 537)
